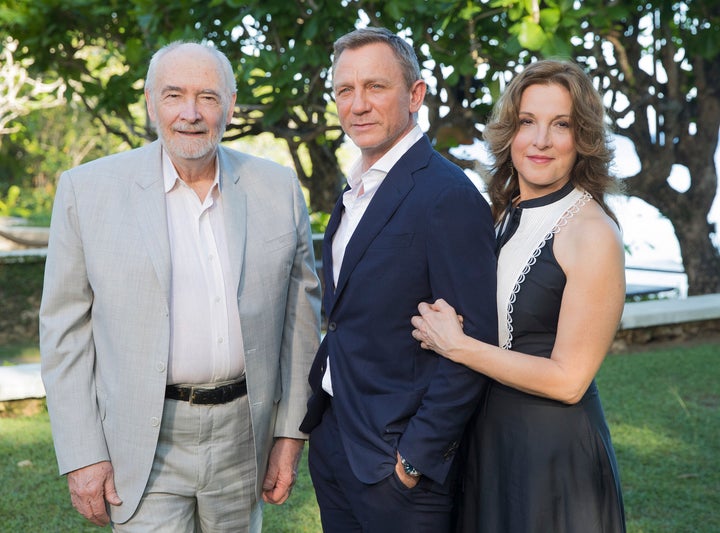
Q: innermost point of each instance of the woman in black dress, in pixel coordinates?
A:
(539, 458)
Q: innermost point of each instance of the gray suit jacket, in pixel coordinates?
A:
(104, 317)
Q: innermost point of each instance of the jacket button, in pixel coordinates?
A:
(332, 326)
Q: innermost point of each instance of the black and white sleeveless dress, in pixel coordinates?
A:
(534, 465)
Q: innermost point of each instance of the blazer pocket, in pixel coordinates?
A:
(394, 431)
(389, 240)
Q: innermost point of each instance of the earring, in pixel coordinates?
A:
(512, 169)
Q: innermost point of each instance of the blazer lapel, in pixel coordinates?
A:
(394, 188)
(396, 185)
(234, 199)
(147, 199)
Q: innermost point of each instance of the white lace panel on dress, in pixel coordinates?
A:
(518, 255)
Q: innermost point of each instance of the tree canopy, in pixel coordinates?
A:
(656, 62)
(659, 65)
(21, 93)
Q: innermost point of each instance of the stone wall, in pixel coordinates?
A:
(646, 337)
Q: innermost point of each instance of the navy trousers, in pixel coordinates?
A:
(349, 506)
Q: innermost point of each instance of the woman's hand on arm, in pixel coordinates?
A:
(440, 329)
(591, 307)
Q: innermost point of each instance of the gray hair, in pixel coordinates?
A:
(403, 51)
(224, 65)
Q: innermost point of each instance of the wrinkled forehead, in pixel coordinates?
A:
(195, 69)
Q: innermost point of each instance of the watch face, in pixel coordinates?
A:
(409, 469)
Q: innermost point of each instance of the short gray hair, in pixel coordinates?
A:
(403, 51)
(224, 65)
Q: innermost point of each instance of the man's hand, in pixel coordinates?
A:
(282, 470)
(90, 487)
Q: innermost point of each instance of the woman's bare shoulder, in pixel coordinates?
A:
(589, 237)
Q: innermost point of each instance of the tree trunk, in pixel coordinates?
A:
(676, 121)
(326, 179)
(687, 212)
(700, 257)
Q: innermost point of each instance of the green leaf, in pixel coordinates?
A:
(550, 18)
(530, 34)
(134, 51)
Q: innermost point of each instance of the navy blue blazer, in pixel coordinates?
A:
(427, 234)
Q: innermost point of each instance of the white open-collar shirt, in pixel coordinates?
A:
(205, 333)
(356, 199)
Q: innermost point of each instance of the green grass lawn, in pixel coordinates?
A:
(663, 407)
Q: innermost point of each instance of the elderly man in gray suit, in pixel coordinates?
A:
(179, 318)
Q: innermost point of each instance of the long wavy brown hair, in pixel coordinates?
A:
(591, 171)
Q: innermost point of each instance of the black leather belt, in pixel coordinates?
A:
(207, 395)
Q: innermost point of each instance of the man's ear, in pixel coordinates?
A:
(231, 109)
(150, 106)
(417, 95)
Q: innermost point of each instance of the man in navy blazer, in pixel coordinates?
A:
(386, 417)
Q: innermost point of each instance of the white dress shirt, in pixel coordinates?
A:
(205, 335)
(356, 199)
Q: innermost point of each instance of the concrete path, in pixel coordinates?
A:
(18, 382)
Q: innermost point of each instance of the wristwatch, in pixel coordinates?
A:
(410, 470)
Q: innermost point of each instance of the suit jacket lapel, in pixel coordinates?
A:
(147, 199)
(234, 199)
(396, 185)
(393, 190)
